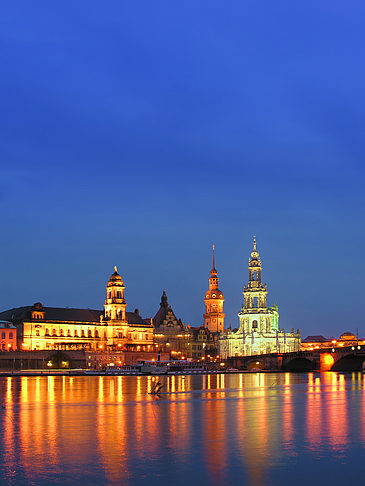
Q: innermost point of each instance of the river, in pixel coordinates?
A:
(245, 429)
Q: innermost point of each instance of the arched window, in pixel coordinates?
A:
(254, 324)
(96, 333)
(89, 334)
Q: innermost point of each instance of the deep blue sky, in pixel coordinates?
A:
(139, 133)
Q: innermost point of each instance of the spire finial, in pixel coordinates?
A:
(254, 243)
(115, 269)
(213, 257)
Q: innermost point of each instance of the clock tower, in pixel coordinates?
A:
(214, 317)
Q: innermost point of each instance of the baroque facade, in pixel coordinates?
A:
(113, 328)
(258, 331)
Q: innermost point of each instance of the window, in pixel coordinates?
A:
(37, 332)
(10, 335)
(89, 333)
(96, 333)
(3, 335)
(54, 332)
(69, 333)
(83, 333)
(119, 294)
(254, 325)
(47, 332)
(255, 302)
(120, 335)
(76, 333)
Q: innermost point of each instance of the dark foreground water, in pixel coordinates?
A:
(244, 429)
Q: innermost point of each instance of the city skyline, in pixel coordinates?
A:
(180, 310)
(139, 137)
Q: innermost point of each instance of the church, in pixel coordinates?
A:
(111, 329)
(259, 331)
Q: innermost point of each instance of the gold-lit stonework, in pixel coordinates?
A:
(214, 316)
(42, 328)
(259, 331)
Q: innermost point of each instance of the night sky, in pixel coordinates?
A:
(138, 133)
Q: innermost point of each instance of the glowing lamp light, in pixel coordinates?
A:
(257, 362)
(100, 346)
(119, 345)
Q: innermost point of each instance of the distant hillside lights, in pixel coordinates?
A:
(259, 331)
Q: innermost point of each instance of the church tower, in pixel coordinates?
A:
(115, 304)
(214, 317)
(255, 315)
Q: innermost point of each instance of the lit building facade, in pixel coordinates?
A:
(170, 333)
(8, 341)
(113, 328)
(259, 331)
(214, 316)
(347, 339)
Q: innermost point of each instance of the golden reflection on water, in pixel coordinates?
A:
(110, 424)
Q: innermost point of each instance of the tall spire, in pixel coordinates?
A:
(213, 271)
(254, 253)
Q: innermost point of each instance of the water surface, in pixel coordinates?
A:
(244, 429)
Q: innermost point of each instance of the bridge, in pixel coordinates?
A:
(349, 358)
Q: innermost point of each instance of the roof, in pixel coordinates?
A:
(315, 339)
(161, 316)
(6, 324)
(65, 314)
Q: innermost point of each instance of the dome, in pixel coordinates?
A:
(115, 278)
(348, 336)
(214, 294)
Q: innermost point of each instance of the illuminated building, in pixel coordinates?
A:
(259, 331)
(170, 334)
(203, 343)
(320, 342)
(7, 336)
(214, 316)
(70, 329)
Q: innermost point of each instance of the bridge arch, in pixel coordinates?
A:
(349, 362)
(299, 364)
